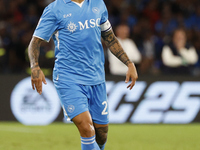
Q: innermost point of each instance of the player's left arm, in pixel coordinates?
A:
(113, 44)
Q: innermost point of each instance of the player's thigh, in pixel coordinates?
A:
(72, 98)
(83, 117)
(98, 105)
(84, 124)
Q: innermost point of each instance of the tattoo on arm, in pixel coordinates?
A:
(113, 44)
(34, 51)
(35, 73)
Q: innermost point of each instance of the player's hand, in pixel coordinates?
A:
(131, 73)
(37, 77)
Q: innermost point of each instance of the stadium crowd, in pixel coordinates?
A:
(151, 25)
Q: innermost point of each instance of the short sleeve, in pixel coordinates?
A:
(105, 24)
(104, 16)
(46, 25)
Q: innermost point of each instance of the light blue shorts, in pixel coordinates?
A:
(76, 99)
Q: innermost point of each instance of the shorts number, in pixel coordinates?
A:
(104, 112)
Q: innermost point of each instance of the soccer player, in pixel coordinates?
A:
(78, 75)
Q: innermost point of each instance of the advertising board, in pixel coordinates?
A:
(30, 108)
(153, 100)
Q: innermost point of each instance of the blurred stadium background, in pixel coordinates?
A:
(162, 111)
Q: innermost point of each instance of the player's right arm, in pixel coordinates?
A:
(47, 25)
(37, 76)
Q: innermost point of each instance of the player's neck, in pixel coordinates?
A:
(78, 1)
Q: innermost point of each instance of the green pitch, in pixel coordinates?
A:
(60, 136)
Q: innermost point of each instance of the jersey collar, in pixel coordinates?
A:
(67, 1)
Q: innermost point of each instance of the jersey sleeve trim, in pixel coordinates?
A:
(41, 38)
(105, 27)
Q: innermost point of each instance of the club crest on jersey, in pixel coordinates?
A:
(95, 10)
(72, 27)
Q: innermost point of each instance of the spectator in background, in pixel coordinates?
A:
(178, 56)
(151, 11)
(18, 20)
(194, 21)
(151, 23)
(167, 23)
(116, 66)
(148, 65)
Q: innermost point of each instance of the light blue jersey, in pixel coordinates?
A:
(76, 30)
